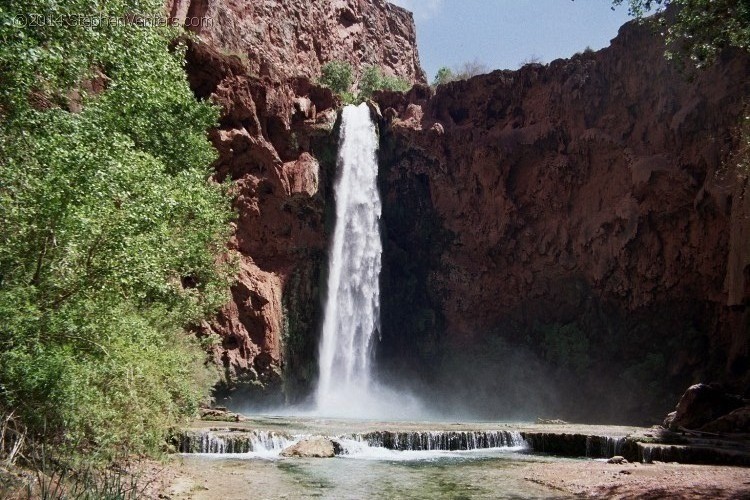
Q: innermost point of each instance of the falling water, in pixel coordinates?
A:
(352, 312)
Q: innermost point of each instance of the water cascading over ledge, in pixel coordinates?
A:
(352, 310)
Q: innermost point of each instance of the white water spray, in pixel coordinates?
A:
(352, 312)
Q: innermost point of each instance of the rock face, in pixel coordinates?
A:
(737, 421)
(576, 228)
(573, 229)
(284, 39)
(277, 140)
(701, 406)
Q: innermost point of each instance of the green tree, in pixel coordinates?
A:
(111, 228)
(444, 75)
(701, 28)
(338, 76)
(460, 72)
(373, 79)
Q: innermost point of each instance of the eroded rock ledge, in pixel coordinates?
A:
(580, 222)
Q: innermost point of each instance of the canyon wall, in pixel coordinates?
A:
(578, 228)
(277, 140)
(563, 240)
(294, 38)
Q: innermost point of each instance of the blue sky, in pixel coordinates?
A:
(503, 33)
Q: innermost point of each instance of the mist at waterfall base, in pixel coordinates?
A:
(351, 324)
(511, 385)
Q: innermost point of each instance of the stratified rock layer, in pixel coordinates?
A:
(582, 222)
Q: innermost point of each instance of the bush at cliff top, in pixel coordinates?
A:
(337, 75)
(110, 226)
(701, 28)
(373, 79)
(463, 72)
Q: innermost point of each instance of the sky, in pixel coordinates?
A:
(502, 34)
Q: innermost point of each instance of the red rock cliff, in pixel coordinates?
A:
(291, 38)
(276, 140)
(587, 210)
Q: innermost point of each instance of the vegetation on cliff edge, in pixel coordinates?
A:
(463, 72)
(339, 77)
(700, 28)
(111, 227)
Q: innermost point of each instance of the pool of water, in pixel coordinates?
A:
(368, 470)
(385, 474)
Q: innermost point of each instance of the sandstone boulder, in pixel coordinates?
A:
(701, 404)
(314, 447)
(737, 421)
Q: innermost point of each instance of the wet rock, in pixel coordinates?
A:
(701, 404)
(314, 447)
(219, 414)
(550, 421)
(669, 419)
(737, 421)
(375, 112)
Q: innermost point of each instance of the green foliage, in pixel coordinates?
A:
(374, 79)
(647, 376)
(443, 75)
(60, 477)
(461, 72)
(111, 228)
(338, 76)
(701, 27)
(566, 346)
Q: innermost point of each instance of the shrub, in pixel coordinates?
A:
(461, 72)
(444, 75)
(373, 79)
(566, 346)
(337, 75)
(701, 28)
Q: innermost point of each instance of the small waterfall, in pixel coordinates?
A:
(604, 446)
(442, 440)
(645, 453)
(352, 311)
(262, 443)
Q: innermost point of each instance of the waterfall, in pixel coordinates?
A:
(257, 443)
(390, 445)
(352, 311)
(442, 440)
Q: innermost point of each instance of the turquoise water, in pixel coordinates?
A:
(369, 471)
(456, 475)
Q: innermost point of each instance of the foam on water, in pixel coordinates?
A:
(391, 446)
